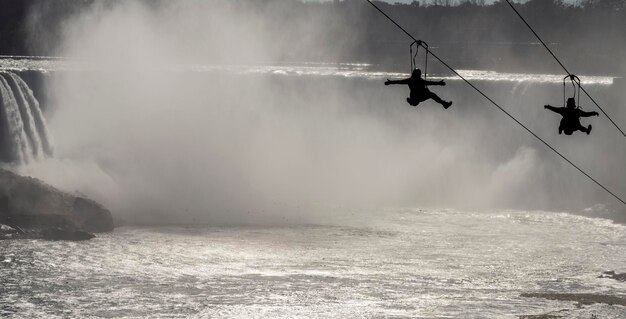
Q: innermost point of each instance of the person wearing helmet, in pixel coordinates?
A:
(419, 91)
(571, 117)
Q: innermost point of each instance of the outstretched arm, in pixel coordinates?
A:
(558, 110)
(588, 114)
(442, 83)
(404, 81)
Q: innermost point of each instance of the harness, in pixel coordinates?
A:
(575, 81)
(417, 44)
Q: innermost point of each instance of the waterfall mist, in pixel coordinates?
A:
(158, 142)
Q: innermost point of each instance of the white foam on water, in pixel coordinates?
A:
(403, 263)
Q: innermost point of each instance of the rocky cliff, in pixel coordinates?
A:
(30, 203)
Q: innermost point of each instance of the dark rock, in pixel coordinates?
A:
(613, 275)
(582, 299)
(12, 227)
(29, 203)
(542, 316)
(92, 216)
(7, 232)
(46, 234)
(60, 234)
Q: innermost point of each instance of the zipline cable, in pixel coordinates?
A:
(563, 66)
(497, 105)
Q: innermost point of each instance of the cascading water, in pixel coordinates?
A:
(24, 128)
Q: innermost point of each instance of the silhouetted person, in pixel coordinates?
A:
(571, 117)
(419, 91)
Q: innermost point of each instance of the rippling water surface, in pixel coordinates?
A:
(394, 263)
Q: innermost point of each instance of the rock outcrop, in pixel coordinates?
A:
(613, 275)
(9, 232)
(581, 299)
(29, 203)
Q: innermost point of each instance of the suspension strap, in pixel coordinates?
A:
(575, 81)
(417, 44)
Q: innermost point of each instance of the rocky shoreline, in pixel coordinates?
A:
(32, 209)
(613, 275)
(580, 299)
(7, 233)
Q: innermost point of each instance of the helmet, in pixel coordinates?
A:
(417, 73)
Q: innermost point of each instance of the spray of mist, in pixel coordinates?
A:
(156, 142)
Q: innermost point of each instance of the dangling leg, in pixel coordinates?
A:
(580, 127)
(439, 100)
(584, 129)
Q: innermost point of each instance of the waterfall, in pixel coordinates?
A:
(21, 121)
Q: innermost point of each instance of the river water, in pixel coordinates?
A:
(399, 263)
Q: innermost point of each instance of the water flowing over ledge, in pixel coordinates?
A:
(346, 70)
(24, 130)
